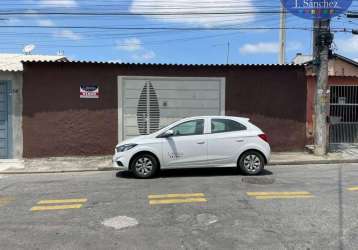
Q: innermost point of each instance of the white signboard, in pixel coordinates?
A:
(89, 91)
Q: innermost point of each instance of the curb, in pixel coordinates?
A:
(59, 171)
(273, 163)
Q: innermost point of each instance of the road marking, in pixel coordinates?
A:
(62, 201)
(276, 193)
(58, 207)
(353, 189)
(283, 197)
(280, 195)
(176, 198)
(5, 200)
(177, 201)
(59, 204)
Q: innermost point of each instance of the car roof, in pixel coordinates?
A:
(219, 117)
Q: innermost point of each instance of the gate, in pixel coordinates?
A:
(149, 103)
(343, 115)
(4, 128)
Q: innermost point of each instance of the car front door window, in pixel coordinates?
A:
(195, 127)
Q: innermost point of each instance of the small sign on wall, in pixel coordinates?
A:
(89, 91)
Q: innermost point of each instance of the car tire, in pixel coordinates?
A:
(144, 166)
(251, 163)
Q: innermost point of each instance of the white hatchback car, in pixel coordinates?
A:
(207, 141)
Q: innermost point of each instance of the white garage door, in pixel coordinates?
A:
(150, 103)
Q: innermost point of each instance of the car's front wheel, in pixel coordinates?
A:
(251, 163)
(144, 166)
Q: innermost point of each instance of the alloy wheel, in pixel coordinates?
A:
(144, 166)
(252, 163)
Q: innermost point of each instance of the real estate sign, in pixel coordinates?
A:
(316, 9)
(89, 91)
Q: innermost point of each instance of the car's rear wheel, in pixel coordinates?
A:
(144, 166)
(251, 163)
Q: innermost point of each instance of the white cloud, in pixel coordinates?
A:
(180, 6)
(356, 59)
(267, 47)
(259, 48)
(60, 3)
(45, 22)
(68, 34)
(135, 47)
(145, 56)
(129, 44)
(349, 45)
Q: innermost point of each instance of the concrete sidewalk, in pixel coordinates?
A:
(104, 163)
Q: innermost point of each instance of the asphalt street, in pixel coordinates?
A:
(287, 207)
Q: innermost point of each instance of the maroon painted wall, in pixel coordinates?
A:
(56, 122)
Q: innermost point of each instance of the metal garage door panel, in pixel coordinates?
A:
(178, 103)
(183, 93)
(172, 84)
(175, 98)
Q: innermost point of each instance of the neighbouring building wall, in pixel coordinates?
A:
(15, 113)
(56, 122)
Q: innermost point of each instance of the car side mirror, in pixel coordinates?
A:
(168, 133)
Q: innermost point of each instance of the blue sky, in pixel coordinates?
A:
(253, 45)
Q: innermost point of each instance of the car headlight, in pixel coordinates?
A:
(125, 147)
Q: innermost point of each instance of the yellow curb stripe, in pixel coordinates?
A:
(177, 201)
(353, 189)
(277, 193)
(283, 197)
(160, 196)
(59, 207)
(62, 201)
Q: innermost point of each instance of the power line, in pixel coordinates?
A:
(150, 28)
(140, 14)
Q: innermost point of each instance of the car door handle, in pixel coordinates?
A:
(240, 140)
(201, 142)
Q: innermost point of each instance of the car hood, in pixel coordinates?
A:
(136, 140)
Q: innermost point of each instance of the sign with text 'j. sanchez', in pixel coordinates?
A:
(316, 9)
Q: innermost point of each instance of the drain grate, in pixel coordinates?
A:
(259, 180)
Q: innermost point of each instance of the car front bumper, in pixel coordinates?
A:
(119, 162)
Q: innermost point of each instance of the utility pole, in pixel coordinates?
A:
(282, 44)
(323, 40)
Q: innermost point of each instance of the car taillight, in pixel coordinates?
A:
(263, 137)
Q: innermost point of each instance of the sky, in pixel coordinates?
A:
(160, 31)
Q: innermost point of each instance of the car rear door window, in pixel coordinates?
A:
(225, 125)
